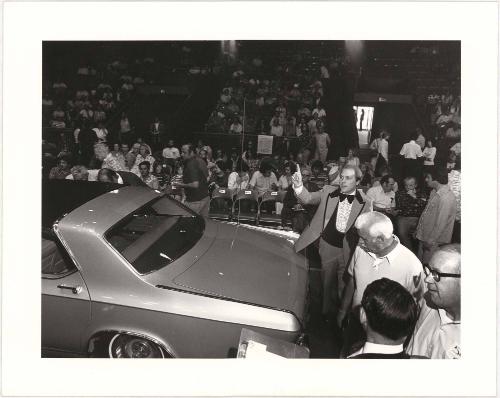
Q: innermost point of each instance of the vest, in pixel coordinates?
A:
(331, 234)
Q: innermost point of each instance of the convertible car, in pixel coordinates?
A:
(128, 272)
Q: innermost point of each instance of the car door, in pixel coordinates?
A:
(65, 303)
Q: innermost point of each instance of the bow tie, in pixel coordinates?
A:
(343, 196)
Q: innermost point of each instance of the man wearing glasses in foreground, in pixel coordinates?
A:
(437, 332)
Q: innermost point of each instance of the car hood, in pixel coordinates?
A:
(249, 266)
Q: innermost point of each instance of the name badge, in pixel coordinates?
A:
(248, 192)
(274, 193)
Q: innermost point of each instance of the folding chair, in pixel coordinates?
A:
(245, 205)
(269, 199)
(221, 204)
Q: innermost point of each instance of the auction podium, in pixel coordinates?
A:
(254, 345)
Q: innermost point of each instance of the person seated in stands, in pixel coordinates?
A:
(410, 203)
(118, 153)
(437, 332)
(163, 173)
(225, 97)
(368, 175)
(99, 114)
(304, 111)
(124, 149)
(239, 178)
(236, 127)
(101, 131)
(388, 314)
(312, 124)
(177, 178)
(149, 179)
(320, 111)
(286, 179)
(171, 153)
(300, 215)
(264, 179)
(62, 169)
(352, 159)
(218, 178)
(109, 161)
(383, 196)
(318, 176)
(143, 156)
(276, 127)
(58, 118)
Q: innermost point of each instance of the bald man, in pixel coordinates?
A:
(437, 332)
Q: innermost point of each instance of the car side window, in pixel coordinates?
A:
(55, 261)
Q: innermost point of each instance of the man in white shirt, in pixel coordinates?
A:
(383, 195)
(437, 332)
(388, 313)
(378, 254)
(171, 153)
(411, 152)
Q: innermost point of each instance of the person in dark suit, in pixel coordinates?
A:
(388, 314)
(332, 225)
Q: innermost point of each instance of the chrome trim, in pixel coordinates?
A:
(167, 348)
(55, 228)
(213, 296)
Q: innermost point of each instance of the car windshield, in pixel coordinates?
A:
(156, 234)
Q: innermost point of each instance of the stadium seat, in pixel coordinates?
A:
(246, 205)
(262, 216)
(221, 204)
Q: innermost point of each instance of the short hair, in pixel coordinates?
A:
(390, 309)
(265, 167)
(376, 223)
(108, 173)
(241, 165)
(79, 170)
(317, 164)
(408, 178)
(190, 147)
(439, 174)
(357, 171)
(452, 248)
(101, 147)
(145, 163)
(385, 179)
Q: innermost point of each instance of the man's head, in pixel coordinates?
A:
(170, 143)
(350, 176)
(388, 312)
(101, 151)
(187, 151)
(136, 147)
(375, 231)
(306, 174)
(443, 291)
(387, 183)
(63, 162)
(80, 173)
(144, 168)
(107, 175)
(316, 167)
(436, 177)
(124, 148)
(266, 169)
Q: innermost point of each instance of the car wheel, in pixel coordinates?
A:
(129, 346)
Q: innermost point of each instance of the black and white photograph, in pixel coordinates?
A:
(249, 198)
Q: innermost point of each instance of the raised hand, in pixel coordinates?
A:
(297, 178)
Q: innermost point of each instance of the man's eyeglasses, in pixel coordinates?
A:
(438, 275)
